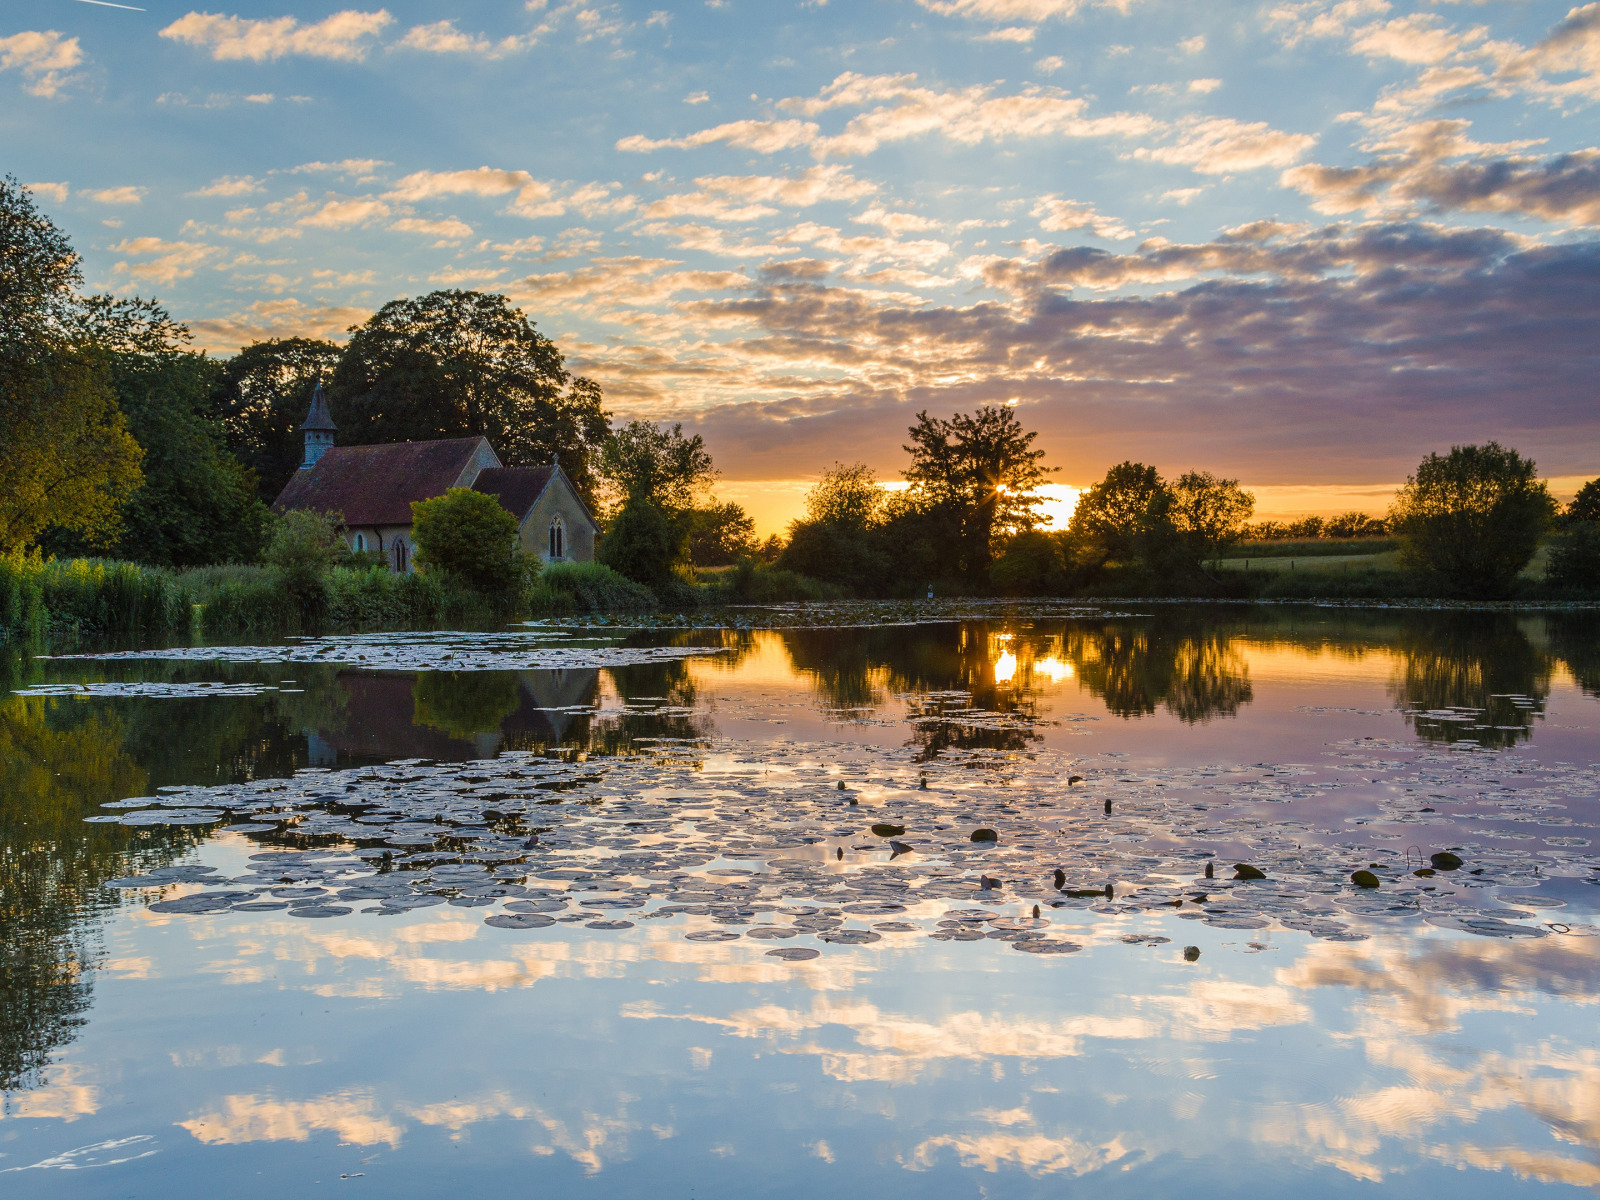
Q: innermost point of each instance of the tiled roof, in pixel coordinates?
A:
(375, 485)
(517, 488)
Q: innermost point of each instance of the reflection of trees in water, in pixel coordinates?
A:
(861, 668)
(464, 703)
(1193, 669)
(1575, 638)
(1480, 664)
(58, 764)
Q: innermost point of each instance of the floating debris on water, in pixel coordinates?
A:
(744, 840)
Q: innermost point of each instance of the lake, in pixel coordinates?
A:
(901, 900)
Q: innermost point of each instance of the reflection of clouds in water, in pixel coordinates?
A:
(1035, 1153)
(64, 1098)
(352, 1114)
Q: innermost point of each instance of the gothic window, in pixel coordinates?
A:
(400, 556)
(361, 543)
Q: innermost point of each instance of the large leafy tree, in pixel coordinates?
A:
(1111, 516)
(1470, 520)
(262, 396)
(1207, 514)
(980, 469)
(642, 460)
(66, 457)
(458, 364)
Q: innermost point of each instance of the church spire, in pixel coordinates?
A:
(318, 428)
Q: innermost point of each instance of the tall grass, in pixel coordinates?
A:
(75, 598)
(567, 588)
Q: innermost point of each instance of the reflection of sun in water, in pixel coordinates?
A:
(1054, 668)
(1005, 667)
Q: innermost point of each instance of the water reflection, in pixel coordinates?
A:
(1471, 677)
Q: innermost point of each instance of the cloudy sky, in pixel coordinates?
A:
(1298, 242)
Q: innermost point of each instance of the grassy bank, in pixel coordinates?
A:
(62, 599)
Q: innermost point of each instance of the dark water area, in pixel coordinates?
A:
(1021, 902)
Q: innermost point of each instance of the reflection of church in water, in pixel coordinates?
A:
(384, 718)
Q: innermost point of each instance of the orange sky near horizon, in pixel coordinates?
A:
(773, 503)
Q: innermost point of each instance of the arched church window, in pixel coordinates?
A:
(400, 556)
(361, 543)
(558, 538)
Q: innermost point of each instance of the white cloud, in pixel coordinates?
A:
(749, 197)
(341, 213)
(44, 58)
(697, 97)
(531, 197)
(167, 262)
(230, 185)
(1218, 145)
(354, 168)
(442, 37)
(342, 37)
(115, 195)
(1193, 45)
(898, 109)
(449, 229)
(1058, 215)
(51, 191)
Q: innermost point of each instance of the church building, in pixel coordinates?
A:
(373, 487)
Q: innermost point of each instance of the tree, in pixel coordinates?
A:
(262, 395)
(1470, 520)
(1111, 515)
(302, 548)
(66, 458)
(719, 534)
(641, 461)
(459, 364)
(644, 543)
(469, 535)
(1575, 557)
(1207, 513)
(196, 505)
(846, 497)
(1585, 505)
(982, 471)
(1030, 566)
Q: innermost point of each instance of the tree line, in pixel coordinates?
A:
(117, 438)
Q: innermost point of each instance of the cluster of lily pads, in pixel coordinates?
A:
(842, 614)
(145, 689)
(449, 651)
(848, 844)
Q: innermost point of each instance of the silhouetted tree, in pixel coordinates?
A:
(262, 395)
(1469, 521)
(458, 364)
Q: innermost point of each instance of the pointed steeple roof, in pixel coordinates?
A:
(319, 418)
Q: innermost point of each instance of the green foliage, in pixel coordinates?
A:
(846, 497)
(1112, 515)
(1207, 514)
(644, 462)
(66, 458)
(464, 703)
(1574, 563)
(458, 364)
(719, 534)
(853, 558)
(302, 550)
(644, 544)
(261, 396)
(1585, 505)
(1032, 565)
(754, 582)
(469, 535)
(566, 588)
(981, 471)
(1469, 521)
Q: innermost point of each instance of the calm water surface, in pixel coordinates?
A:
(701, 913)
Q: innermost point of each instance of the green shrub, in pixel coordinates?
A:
(754, 582)
(567, 588)
(301, 550)
(644, 544)
(1574, 563)
(469, 535)
(1031, 566)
